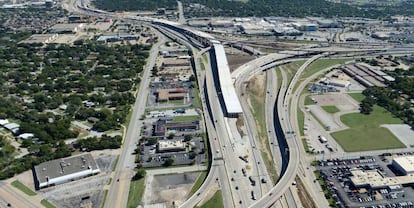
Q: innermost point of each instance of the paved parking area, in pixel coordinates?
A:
(327, 119)
(336, 173)
(151, 158)
(342, 101)
(164, 189)
(403, 132)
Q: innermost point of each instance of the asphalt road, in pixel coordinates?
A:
(118, 192)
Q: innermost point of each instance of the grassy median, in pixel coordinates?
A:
(257, 97)
(136, 190)
(198, 183)
(321, 64)
(216, 201)
(23, 188)
(47, 204)
(330, 109)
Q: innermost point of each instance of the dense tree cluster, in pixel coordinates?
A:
(39, 153)
(396, 97)
(95, 143)
(261, 8)
(128, 5)
(45, 88)
(37, 80)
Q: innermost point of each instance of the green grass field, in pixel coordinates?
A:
(202, 64)
(301, 121)
(309, 101)
(47, 204)
(23, 188)
(321, 64)
(196, 99)
(330, 109)
(186, 118)
(365, 132)
(216, 201)
(176, 102)
(136, 190)
(198, 183)
(357, 96)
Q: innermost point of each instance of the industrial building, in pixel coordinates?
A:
(115, 38)
(65, 28)
(405, 165)
(366, 75)
(219, 64)
(64, 170)
(40, 38)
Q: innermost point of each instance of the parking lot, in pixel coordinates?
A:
(151, 158)
(336, 175)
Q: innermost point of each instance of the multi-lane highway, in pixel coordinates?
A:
(225, 142)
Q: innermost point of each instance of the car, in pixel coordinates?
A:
(264, 180)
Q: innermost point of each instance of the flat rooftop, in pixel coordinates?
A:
(375, 180)
(406, 162)
(64, 166)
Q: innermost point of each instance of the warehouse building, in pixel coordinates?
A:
(61, 171)
(66, 28)
(41, 38)
(405, 165)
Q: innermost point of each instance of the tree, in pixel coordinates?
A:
(139, 174)
(171, 136)
(187, 138)
(192, 78)
(168, 162)
(152, 141)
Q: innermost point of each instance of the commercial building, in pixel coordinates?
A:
(220, 65)
(162, 126)
(171, 145)
(65, 28)
(61, 171)
(164, 95)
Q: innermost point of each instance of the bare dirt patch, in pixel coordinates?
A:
(169, 188)
(236, 60)
(343, 102)
(304, 196)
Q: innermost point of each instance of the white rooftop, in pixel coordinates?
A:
(406, 162)
(11, 126)
(231, 100)
(26, 136)
(4, 122)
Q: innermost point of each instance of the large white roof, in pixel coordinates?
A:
(231, 100)
(405, 162)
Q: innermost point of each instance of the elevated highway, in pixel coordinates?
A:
(217, 121)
